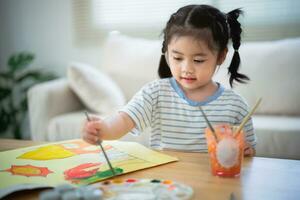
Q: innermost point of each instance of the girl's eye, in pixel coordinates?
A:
(177, 58)
(199, 61)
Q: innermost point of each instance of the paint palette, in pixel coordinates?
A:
(146, 189)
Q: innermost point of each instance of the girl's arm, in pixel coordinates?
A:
(107, 129)
(116, 126)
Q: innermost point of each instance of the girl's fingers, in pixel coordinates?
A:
(94, 118)
(93, 127)
(249, 151)
(90, 141)
(90, 138)
(91, 130)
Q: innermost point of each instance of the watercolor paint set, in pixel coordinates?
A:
(121, 189)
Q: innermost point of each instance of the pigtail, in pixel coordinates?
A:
(235, 31)
(163, 68)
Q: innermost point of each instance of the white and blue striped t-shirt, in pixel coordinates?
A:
(176, 122)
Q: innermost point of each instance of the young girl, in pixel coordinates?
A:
(195, 44)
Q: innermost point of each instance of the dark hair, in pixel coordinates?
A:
(208, 23)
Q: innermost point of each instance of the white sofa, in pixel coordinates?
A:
(56, 110)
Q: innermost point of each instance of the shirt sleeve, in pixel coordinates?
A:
(139, 109)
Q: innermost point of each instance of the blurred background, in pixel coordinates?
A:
(57, 32)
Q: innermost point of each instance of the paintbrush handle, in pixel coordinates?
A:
(100, 144)
(209, 125)
(106, 158)
(245, 120)
(87, 116)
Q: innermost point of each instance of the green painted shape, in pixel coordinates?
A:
(109, 173)
(102, 175)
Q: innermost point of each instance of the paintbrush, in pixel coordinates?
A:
(209, 124)
(103, 150)
(245, 120)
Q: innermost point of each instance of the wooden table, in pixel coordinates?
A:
(261, 178)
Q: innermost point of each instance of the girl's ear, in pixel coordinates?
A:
(222, 56)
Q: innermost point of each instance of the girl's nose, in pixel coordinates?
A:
(187, 67)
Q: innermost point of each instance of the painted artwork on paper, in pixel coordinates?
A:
(74, 161)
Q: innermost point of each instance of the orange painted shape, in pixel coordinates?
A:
(167, 182)
(29, 170)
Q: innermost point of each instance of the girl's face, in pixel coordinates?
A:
(192, 63)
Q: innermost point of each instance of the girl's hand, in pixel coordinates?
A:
(248, 150)
(92, 130)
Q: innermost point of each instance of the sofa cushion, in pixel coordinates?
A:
(277, 136)
(273, 71)
(132, 62)
(96, 90)
(66, 126)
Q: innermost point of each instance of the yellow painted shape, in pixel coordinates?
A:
(49, 152)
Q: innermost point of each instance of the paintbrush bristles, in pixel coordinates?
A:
(209, 124)
(245, 120)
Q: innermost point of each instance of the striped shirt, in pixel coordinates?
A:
(176, 122)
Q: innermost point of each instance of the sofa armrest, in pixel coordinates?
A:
(47, 100)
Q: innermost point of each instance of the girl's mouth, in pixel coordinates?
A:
(188, 79)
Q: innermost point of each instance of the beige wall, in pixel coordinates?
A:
(43, 27)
